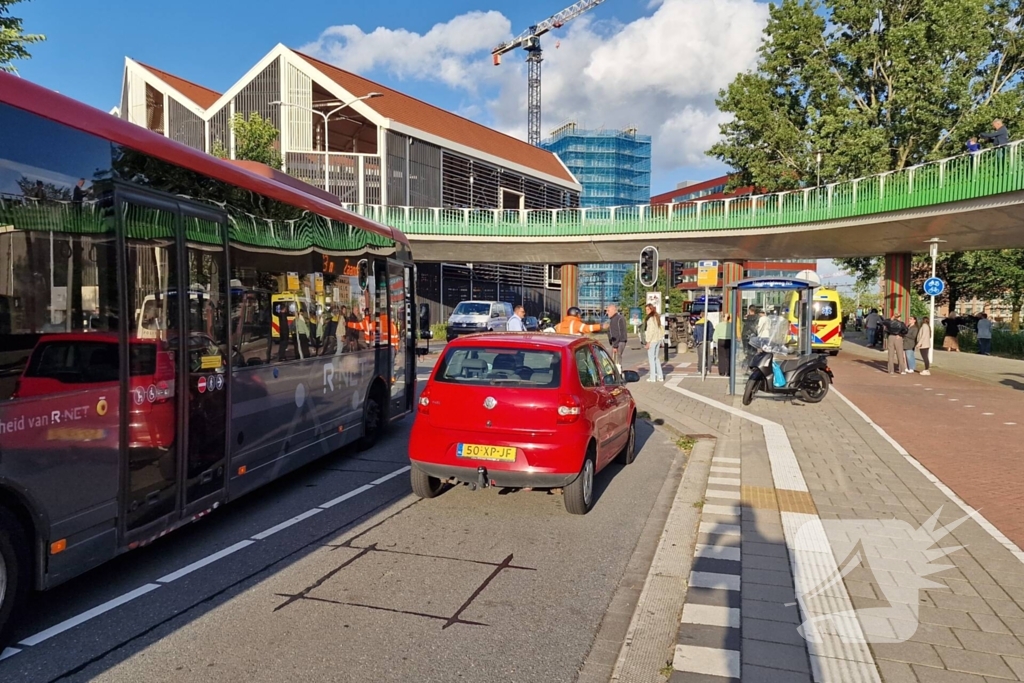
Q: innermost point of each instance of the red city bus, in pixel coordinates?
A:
(128, 409)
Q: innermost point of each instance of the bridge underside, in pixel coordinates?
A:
(995, 222)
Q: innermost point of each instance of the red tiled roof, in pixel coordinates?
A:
(204, 97)
(436, 121)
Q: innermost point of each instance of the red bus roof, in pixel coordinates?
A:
(51, 105)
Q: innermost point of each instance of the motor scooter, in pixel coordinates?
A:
(806, 377)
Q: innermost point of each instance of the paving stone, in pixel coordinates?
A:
(1015, 624)
(990, 623)
(1017, 665)
(945, 617)
(700, 635)
(909, 652)
(768, 549)
(980, 663)
(771, 631)
(775, 655)
(771, 611)
(964, 603)
(713, 596)
(778, 564)
(760, 674)
(930, 675)
(777, 594)
(937, 635)
(767, 577)
(1006, 608)
(707, 661)
(997, 643)
(896, 672)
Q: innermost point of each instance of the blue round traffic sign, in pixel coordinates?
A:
(933, 286)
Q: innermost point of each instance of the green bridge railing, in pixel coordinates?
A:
(970, 176)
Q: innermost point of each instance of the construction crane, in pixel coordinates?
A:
(529, 40)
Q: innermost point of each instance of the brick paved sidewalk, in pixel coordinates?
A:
(970, 623)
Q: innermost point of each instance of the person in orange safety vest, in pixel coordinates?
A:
(571, 324)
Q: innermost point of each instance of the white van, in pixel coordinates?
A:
(470, 317)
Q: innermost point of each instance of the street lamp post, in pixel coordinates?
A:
(933, 251)
(326, 118)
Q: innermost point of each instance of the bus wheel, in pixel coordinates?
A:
(14, 572)
(373, 421)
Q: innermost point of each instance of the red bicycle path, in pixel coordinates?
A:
(968, 433)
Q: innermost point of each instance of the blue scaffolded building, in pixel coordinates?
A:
(614, 168)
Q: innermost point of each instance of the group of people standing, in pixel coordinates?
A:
(903, 341)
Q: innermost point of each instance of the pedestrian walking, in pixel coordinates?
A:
(984, 335)
(910, 344)
(895, 330)
(871, 322)
(618, 334)
(924, 343)
(702, 345)
(951, 341)
(515, 323)
(723, 339)
(654, 334)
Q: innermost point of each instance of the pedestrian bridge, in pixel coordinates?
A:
(974, 201)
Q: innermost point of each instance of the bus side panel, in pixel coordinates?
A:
(287, 415)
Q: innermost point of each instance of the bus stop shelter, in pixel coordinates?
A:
(774, 296)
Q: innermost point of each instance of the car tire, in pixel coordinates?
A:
(834, 352)
(628, 453)
(373, 422)
(578, 496)
(424, 485)
(15, 572)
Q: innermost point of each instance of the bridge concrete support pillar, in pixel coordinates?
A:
(897, 285)
(570, 275)
(732, 272)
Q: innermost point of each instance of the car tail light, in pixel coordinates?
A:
(425, 402)
(568, 409)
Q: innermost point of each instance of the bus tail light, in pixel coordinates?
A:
(568, 409)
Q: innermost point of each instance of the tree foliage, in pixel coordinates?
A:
(671, 297)
(874, 85)
(14, 41)
(254, 140)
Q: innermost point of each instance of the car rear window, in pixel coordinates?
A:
(78, 362)
(824, 310)
(501, 366)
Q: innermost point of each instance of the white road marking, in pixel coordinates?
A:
(711, 615)
(1009, 423)
(87, 615)
(267, 533)
(724, 481)
(988, 413)
(726, 470)
(351, 494)
(968, 406)
(720, 529)
(729, 582)
(209, 559)
(717, 552)
(954, 399)
(733, 461)
(381, 480)
(720, 493)
(998, 535)
(198, 564)
(727, 510)
(708, 661)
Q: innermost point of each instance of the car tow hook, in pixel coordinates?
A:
(481, 478)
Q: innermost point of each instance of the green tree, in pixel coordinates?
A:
(254, 140)
(672, 297)
(999, 274)
(14, 41)
(873, 85)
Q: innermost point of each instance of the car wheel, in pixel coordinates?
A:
(834, 352)
(578, 496)
(373, 420)
(424, 485)
(750, 390)
(15, 559)
(628, 453)
(815, 387)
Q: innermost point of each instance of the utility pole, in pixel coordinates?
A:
(933, 251)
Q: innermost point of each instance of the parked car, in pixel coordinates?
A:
(526, 411)
(470, 317)
(531, 323)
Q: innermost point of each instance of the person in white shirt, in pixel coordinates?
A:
(764, 325)
(515, 323)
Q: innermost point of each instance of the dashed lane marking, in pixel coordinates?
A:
(113, 603)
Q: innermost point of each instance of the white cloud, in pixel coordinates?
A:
(659, 73)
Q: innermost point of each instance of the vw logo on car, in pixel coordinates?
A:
(489, 403)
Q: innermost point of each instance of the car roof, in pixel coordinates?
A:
(481, 301)
(526, 340)
(108, 337)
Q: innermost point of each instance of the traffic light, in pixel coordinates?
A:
(677, 273)
(649, 266)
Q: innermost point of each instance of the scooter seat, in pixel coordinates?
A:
(789, 366)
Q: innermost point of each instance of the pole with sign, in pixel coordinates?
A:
(707, 277)
(933, 287)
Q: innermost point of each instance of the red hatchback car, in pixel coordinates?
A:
(522, 411)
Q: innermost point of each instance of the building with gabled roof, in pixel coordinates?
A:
(392, 150)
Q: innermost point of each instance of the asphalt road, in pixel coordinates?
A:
(379, 586)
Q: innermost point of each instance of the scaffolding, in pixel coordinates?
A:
(614, 166)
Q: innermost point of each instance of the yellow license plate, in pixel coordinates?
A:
(478, 452)
(70, 434)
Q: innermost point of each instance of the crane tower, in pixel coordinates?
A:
(529, 40)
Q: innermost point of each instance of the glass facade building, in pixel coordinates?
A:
(614, 168)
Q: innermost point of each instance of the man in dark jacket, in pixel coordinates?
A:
(617, 333)
(895, 330)
(999, 135)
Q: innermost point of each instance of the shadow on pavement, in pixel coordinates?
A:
(1012, 383)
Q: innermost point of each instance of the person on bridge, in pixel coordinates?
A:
(924, 343)
(571, 324)
(999, 135)
(617, 334)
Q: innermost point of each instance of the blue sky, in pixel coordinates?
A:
(654, 64)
